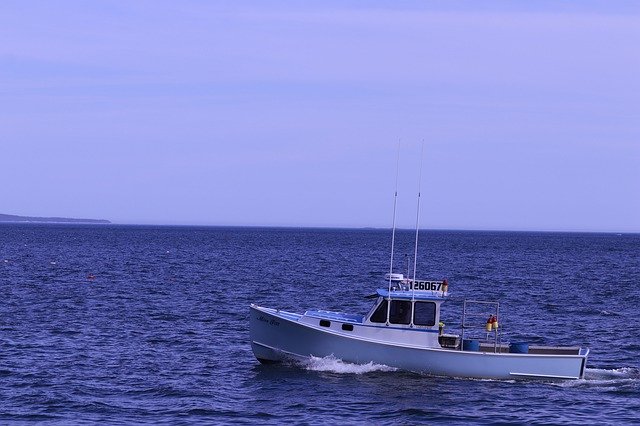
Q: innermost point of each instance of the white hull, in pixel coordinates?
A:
(276, 336)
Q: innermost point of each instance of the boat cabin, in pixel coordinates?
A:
(409, 303)
(408, 314)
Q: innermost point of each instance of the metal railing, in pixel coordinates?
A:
(476, 323)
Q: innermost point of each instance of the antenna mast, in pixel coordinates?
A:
(393, 232)
(415, 251)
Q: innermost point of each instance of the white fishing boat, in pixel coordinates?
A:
(403, 330)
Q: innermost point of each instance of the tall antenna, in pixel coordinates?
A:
(393, 232)
(415, 251)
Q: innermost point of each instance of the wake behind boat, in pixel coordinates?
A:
(403, 330)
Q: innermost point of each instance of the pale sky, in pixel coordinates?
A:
(288, 113)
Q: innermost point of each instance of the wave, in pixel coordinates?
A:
(336, 365)
(612, 374)
(611, 379)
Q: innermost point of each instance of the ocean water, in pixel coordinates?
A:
(149, 325)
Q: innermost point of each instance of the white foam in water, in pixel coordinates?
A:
(610, 378)
(616, 373)
(336, 365)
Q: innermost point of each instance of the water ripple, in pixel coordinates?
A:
(148, 325)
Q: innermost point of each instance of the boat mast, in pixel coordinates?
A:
(415, 250)
(393, 231)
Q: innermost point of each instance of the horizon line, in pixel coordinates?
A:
(320, 227)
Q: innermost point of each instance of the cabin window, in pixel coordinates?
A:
(347, 327)
(400, 312)
(325, 323)
(425, 313)
(380, 315)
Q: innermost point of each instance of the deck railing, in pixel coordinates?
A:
(473, 321)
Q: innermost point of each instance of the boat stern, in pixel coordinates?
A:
(584, 353)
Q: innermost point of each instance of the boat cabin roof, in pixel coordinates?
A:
(407, 289)
(411, 295)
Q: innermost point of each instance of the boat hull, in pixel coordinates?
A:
(278, 336)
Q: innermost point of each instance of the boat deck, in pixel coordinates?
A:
(533, 349)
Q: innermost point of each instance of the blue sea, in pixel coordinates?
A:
(149, 325)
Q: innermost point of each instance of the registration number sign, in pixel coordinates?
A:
(426, 285)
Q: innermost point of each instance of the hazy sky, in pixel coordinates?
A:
(289, 112)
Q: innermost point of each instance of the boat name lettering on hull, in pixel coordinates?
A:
(270, 322)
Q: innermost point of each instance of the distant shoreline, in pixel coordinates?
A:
(10, 218)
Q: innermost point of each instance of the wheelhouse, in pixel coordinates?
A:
(408, 304)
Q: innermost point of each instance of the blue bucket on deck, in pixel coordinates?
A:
(519, 348)
(470, 345)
